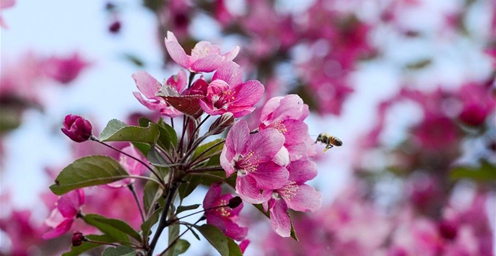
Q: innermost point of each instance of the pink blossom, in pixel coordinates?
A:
(293, 195)
(228, 93)
(19, 229)
(63, 216)
(254, 159)
(286, 115)
(477, 104)
(4, 4)
(205, 57)
(66, 69)
(222, 216)
(77, 128)
(149, 87)
(132, 166)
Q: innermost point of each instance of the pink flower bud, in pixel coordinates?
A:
(77, 128)
(77, 238)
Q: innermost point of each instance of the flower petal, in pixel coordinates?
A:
(247, 191)
(270, 176)
(176, 51)
(146, 83)
(59, 230)
(279, 219)
(229, 72)
(306, 199)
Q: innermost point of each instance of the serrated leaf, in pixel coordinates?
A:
(85, 246)
(119, 251)
(119, 131)
(218, 240)
(187, 208)
(116, 229)
(88, 171)
(486, 171)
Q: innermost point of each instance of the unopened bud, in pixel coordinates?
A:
(235, 202)
(219, 125)
(78, 238)
(77, 128)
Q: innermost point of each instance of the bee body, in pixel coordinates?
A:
(329, 140)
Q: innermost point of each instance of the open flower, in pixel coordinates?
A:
(76, 128)
(205, 57)
(222, 216)
(286, 115)
(293, 195)
(228, 93)
(63, 216)
(132, 166)
(258, 159)
(149, 87)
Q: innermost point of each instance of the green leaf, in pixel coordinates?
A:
(171, 133)
(151, 194)
(212, 148)
(133, 59)
(146, 227)
(119, 251)
(117, 229)
(187, 208)
(88, 171)
(191, 182)
(180, 247)
(156, 159)
(142, 147)
(173, 234)
(85, 246)
(119, 131)
(486, 171)
(233, 247)
(223, 244)
(164, 138)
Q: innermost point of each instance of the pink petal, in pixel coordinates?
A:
(247, 191)
(54, 219)
(302, 171)
(270, 176)
(239, 136)
(226, 157)
(279, 218)
(207, 64)
(146, 84)
(248, 93)
(306, 199)
(59, 230)
(229, 72)
(234, 231)
(68, 204)
(176, 51)
(266, 143)
(232, 54)
(211, 196)
(282, 157)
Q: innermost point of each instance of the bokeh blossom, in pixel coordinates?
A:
(66, 211)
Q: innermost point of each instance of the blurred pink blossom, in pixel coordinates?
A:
(4, 4)
(64, 69)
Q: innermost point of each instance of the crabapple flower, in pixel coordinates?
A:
(286, 115)
(132, 166)
(63, 216)
(293, 195)
(149, 87)
(205, 57)
(76, 128)
(222, 216)
(228, 93)
(4, 4)
(253, 157)
(64, 70)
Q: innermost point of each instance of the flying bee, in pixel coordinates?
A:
(329, 140)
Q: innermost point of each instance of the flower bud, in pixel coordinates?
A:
(77, 128)
(77, 238)
(219, 125)
(234, 202)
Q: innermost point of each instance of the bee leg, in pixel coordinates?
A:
(329, 146)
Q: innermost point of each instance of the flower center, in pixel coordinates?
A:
(245, 164)
(289, 191)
